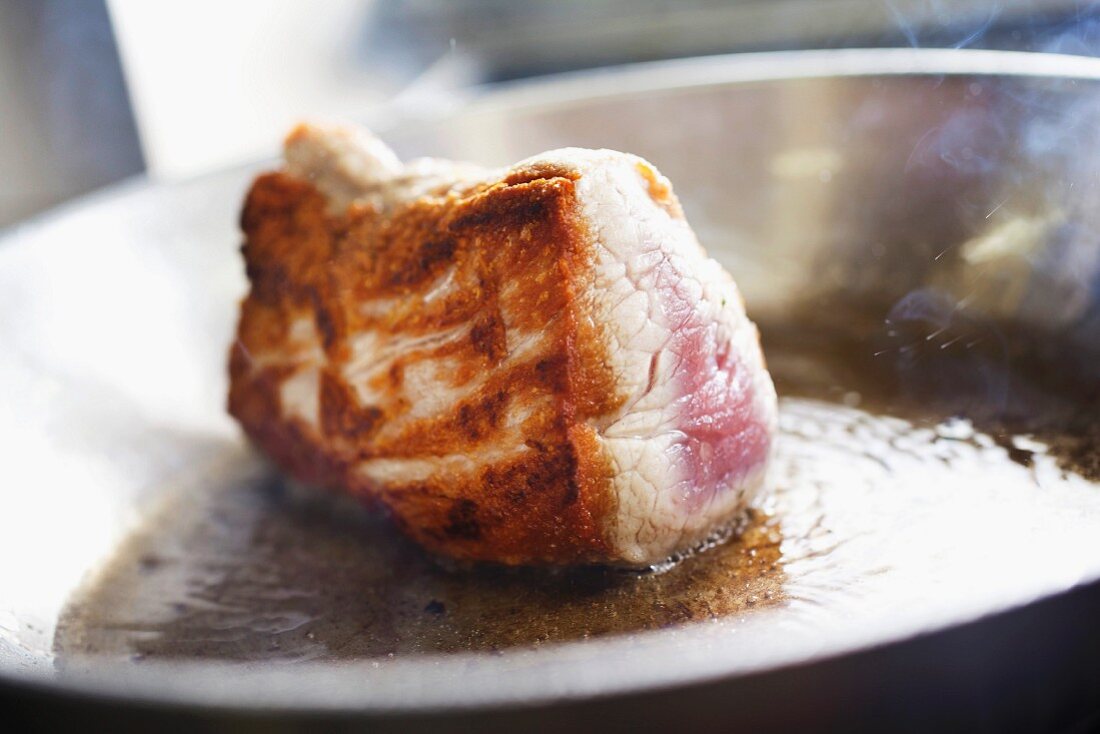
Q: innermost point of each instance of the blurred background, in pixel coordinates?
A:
(94, 91)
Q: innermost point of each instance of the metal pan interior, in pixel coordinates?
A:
(914, 233)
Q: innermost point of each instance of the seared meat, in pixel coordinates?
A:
(531, 365)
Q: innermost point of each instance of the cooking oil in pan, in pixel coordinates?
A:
(882, 509)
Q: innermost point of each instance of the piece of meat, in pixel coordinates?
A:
(537, 365)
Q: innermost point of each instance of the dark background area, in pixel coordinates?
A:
(70, 127)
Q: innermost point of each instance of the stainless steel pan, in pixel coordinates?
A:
(915, 231)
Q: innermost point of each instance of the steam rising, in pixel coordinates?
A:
(1052, 26)
(967, 24)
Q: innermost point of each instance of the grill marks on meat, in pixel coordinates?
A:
(514, 364)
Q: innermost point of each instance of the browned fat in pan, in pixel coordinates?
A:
(269, 573)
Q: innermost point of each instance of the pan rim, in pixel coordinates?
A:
(232, 688)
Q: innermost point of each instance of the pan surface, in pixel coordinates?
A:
(916, 234)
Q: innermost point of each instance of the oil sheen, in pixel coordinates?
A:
(891, 499)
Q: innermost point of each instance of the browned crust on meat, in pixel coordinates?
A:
(659, 191)
(550, 504)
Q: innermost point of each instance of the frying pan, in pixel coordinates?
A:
(916, 232)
